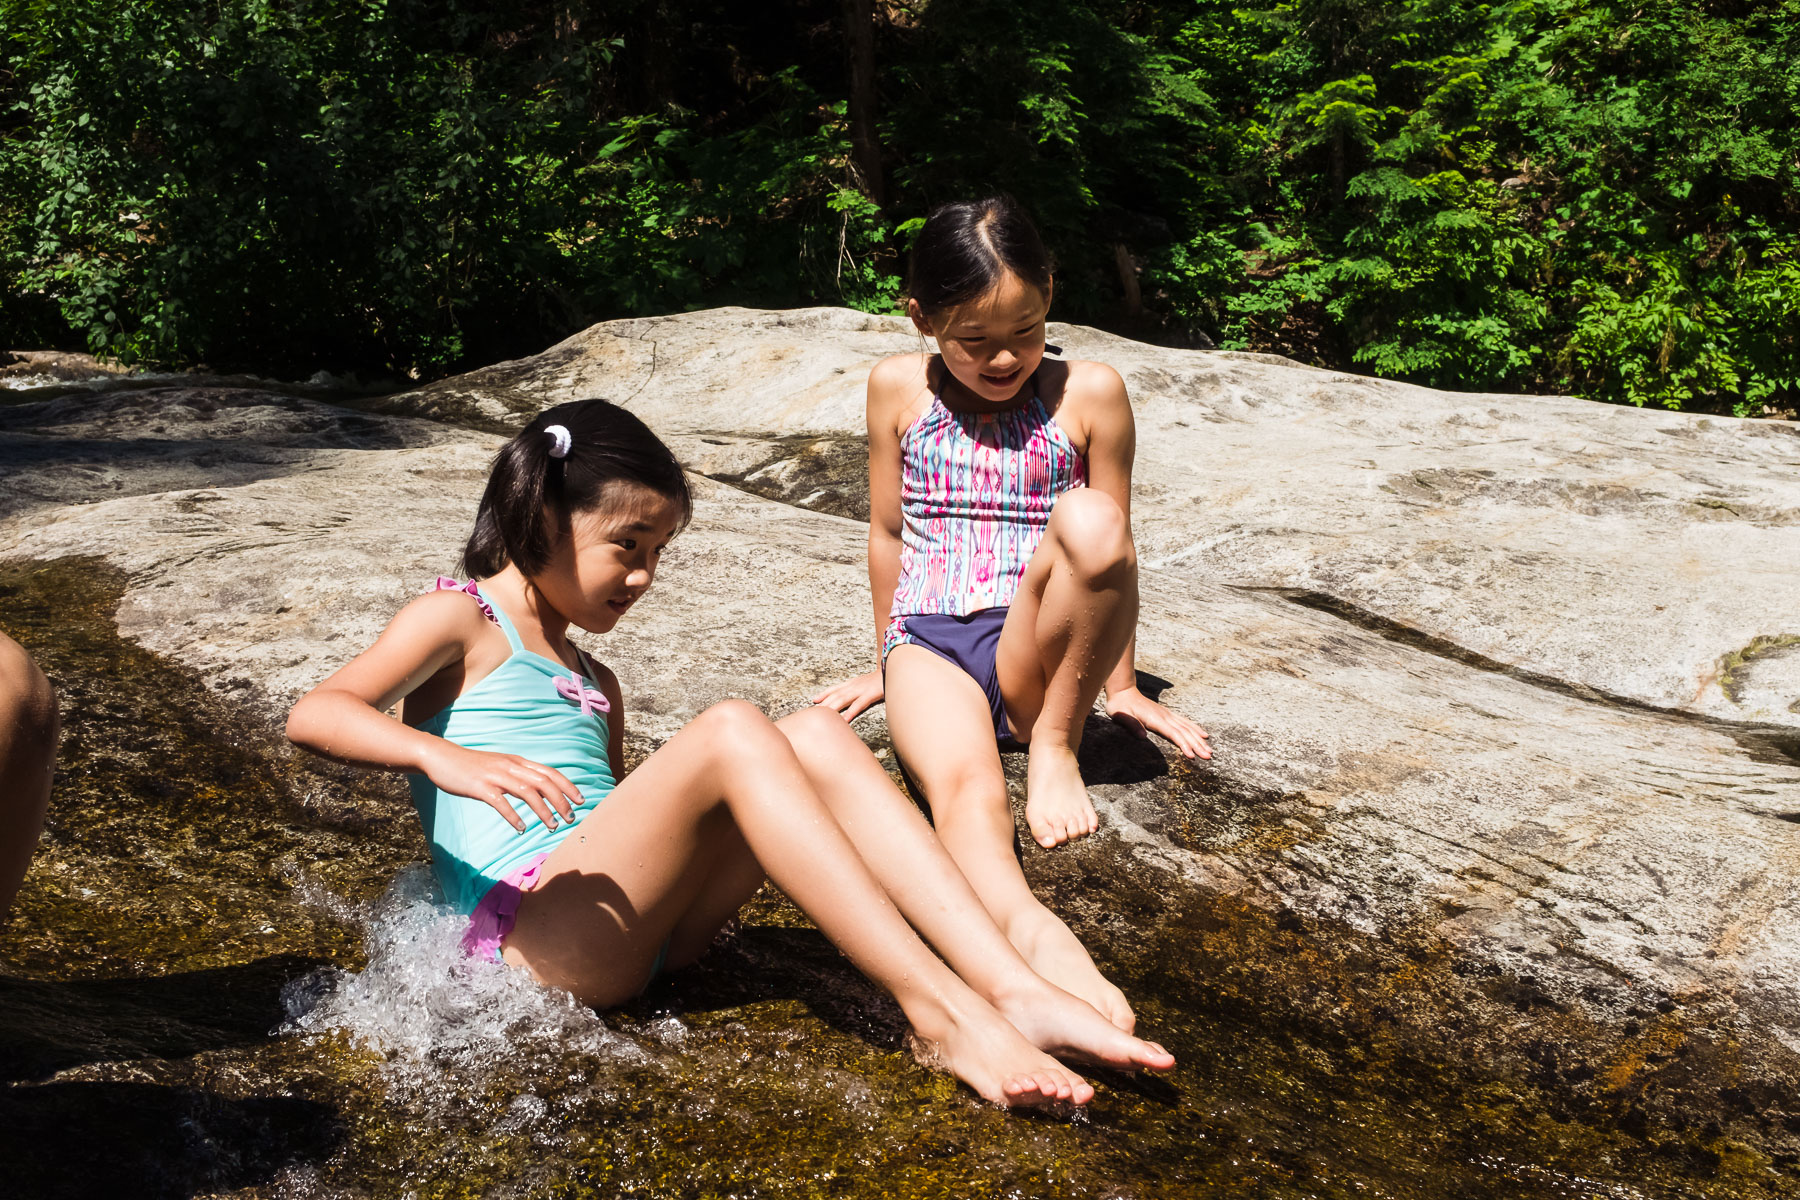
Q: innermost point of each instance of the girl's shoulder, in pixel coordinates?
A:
(453, 611)
(444, 618)
(1089, 380)
(1083, 396)
(900, 386)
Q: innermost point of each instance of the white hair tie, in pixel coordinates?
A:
(560, 441)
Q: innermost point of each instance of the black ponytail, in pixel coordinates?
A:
(527, 484)
(965, 249)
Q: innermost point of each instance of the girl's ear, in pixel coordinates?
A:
(1049, 292)
(918, 319)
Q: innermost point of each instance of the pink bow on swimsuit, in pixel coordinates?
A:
(592, 700)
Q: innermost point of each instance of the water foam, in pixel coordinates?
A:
(441, 1020)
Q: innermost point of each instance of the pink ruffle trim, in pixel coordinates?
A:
(498, 912)
(447, 584)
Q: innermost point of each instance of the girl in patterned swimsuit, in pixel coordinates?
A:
(593, 882)
(1002, 567)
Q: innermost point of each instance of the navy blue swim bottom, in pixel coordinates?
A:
(970, 642)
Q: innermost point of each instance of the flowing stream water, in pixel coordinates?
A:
(227, 974)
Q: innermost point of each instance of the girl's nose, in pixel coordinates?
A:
(640, 577)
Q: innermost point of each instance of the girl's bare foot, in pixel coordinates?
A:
(1055, 953)
(1057, 807)
(1067, 1027)
(995, 1059)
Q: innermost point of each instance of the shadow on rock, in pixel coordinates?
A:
(760, 964)
(48, 1026)
(111, 1139)
(1111, 753)
(131, 442)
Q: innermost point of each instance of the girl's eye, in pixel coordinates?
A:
(972, 340)
(628, 543)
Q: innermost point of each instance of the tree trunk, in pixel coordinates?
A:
(1128, 280)
(859, 46)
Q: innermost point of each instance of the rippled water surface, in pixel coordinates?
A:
(227, 975)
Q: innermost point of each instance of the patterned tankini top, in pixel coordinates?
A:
(976, 491)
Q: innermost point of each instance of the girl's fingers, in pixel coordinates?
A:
(497, 800)
(562, 794)
(536, 795)
(534, 799)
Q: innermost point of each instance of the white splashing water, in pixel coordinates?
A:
(480, 1054)
(441, 1020)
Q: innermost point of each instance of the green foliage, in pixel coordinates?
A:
(1585, 196)
(398, 185)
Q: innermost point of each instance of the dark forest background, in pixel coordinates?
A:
(1573, 196)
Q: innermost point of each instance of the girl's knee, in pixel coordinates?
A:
(27, 701)
(818, 728)
(1093, 532)
(737, 726)
(958, 793)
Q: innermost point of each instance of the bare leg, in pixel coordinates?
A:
(932, 893)
(942, 730)
(27, 761)
(637, 866)
(1071, 621)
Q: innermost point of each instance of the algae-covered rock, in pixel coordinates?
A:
(1430, 914)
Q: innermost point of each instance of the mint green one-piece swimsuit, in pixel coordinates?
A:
(530, 706)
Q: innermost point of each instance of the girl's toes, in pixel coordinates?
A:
(1032, 1090)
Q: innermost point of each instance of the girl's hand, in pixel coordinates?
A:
(1144, 716)
(853, 697)
(490, 778)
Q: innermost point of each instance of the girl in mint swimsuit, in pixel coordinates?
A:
(593, 882)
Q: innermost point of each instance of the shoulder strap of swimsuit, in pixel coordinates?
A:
(501, 619)
(588, 666)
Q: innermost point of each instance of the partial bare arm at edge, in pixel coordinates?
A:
(889, 386)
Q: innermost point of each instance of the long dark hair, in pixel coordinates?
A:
(965, 249)
(527, 484)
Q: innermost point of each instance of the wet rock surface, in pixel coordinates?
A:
(1315, 1060)
(1432, 924)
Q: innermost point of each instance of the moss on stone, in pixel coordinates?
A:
(1732, 665)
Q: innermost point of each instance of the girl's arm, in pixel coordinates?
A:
(1111, 450)
(345, 717)
(891, 384)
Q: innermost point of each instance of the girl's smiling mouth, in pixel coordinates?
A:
(1007, 380)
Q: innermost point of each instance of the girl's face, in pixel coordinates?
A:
(992, 344)
(609, 557)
